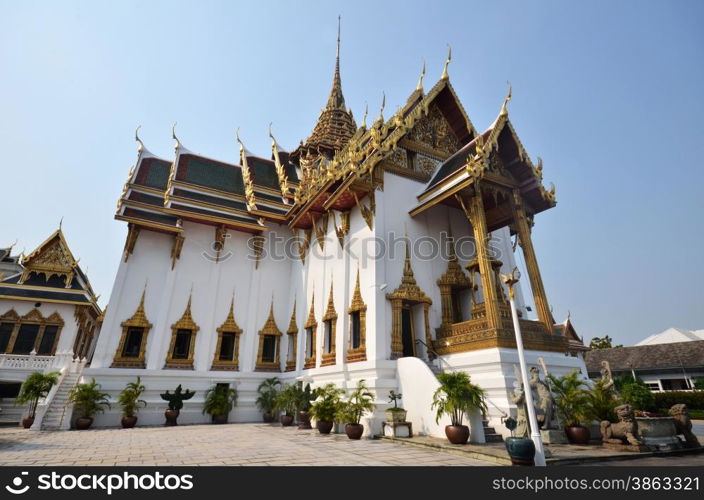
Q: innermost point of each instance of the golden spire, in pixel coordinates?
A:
(420, 79)
(504, 109)
(280, 172)
(336, 99)
(445, 74)
(364, 118)
(246, 177)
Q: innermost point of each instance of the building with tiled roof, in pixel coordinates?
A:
(222, 254)
(49, 316)
(662, 366)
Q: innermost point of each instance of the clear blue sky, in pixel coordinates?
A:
(608, 93)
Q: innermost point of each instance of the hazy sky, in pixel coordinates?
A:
(609, 94)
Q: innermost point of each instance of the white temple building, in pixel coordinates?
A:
(370, 251)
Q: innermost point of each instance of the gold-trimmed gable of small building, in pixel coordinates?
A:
(52, 258)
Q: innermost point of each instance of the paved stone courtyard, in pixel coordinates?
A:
(257, 444)
(236, 444)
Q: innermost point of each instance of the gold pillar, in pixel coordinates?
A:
(536, 281)
(446, 307)
(478, 219)
(396, 342)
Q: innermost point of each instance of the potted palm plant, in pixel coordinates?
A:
(88, 400)
(35, 387)
(267, 397)
(305, 396)
(395, 414)
(456, 397)
(324, 408)
(130, 402)
(351, 411)
(287, 401)
(571, 403)
(219, 401)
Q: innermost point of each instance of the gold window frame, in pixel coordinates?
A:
(33, 317)
(311, 323)
(328, 358)
(138, 320)
(185, 323)
(292, 333)
(358, 306)
(229, 326)
(269, 328)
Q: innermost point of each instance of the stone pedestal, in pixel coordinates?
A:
(554, 436)
(398, 429)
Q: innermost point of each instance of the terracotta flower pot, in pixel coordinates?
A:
(304, 420)
(128, 421)
(324, 427)
(220, 419)
(286, 420)
(521, 450)
(171, 417)
(577, 434)
(354, 431)
(268, 417)
(457, 434)
(27, 422)
(82, 423)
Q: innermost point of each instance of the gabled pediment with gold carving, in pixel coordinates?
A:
(52, 258)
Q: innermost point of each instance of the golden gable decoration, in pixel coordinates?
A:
(51, 258)
(292, 333)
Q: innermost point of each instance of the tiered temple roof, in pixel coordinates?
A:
(50, 274)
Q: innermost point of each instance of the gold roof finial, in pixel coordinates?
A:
(280, 172)
(504, 109)
(364, 118)
(140, 144)
(177, 146)
(246, 177)
(420, 79)
(61, 222)
(445, 74)
(383, 105)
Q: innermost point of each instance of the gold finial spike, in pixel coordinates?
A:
(339, 21)
(177, 146)
(239, 141)
(364, 118)
(445, 74)
(61, 222)
(140, 144)
(383, 105)
(420, 79)
(504, 109)
(273, 141)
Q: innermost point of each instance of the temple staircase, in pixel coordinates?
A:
(59, 411)
(490, 434)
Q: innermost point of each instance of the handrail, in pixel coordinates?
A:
(437, 356)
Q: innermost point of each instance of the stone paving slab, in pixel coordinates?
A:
(207, 445)
(560, 454)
